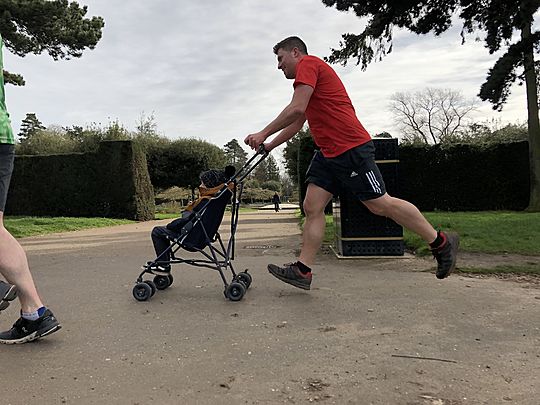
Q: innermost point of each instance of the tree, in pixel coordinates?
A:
(498, 19)
(51, 140)
(383, 134)
(179, 163)
(267, 170)
(30, 125)
(432, 115)
(235, 154)
(491, 134)
(56, 27)
(292, 151)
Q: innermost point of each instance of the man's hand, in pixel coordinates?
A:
(254, 140)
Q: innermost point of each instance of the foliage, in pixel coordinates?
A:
(267, 170)
(235, 154)
(488, 135)
(273, 185)
(45, 142)
(30, 126)
(56, 27)
(180, 162)
(383, 134)
(291, 153)
(431, 115)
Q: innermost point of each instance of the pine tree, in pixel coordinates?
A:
(30, 126)
(235, 154)
(56, 27)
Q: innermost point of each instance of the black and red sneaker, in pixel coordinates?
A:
(446, 254)
(291, 274)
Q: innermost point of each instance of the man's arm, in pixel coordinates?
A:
(292, 114)
(286, 134)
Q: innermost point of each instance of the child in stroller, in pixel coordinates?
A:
(197, 231)
(211, 183)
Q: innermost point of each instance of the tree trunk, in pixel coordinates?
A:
(533, 122)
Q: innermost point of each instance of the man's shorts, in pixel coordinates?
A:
(7, 157)
(354, 170)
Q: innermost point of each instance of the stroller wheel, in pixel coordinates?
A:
(245, 278)
(163, 282)
(142, 291)
(235, 291)
(152, 286)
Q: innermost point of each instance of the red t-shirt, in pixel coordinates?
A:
(330, 113)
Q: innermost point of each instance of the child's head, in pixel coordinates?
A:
(213, 178)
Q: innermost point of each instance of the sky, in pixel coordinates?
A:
(205, 69)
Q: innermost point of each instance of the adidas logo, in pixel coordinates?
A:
(354, 174)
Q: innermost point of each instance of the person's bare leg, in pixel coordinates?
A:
(14, 267)
(404, 213)
(314, 203)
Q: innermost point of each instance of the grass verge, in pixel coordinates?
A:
(21, 227)
(490, 232)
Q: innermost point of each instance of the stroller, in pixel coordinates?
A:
(200, 234)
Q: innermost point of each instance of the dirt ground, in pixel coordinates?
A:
(378, 331)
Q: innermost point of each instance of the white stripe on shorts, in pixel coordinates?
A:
(373, 181)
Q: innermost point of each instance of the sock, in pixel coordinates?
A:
(303, 268)
(439, 241)
(33, 316)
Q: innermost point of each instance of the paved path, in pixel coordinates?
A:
(369, 332)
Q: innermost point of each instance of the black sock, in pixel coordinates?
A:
(303, 268)
(438, 241)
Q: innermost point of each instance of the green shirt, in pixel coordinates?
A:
(6, 133)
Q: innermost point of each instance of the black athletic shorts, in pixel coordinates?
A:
(7, 156)
(354, 170)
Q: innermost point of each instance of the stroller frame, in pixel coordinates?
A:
(217, 258)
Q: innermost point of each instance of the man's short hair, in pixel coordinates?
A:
(288, 44)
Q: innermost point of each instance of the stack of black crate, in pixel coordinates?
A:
(358, 232)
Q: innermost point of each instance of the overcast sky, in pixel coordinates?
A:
(205, 68)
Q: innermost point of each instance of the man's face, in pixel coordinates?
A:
(287, 61)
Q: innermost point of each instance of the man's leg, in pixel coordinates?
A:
(14, 267)
(36, 321)
(404, 213)
(443, 245)
(315, 201)
(298, 273)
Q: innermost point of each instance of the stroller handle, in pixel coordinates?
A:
(262, 150)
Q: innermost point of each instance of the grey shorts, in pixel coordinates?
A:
(7, 157)
(354, 170)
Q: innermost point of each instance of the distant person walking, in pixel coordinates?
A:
(36, 321)
(346, 159)
(276, 201)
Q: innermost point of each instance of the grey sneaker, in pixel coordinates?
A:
(8, 293)
(291, 274)
(25, 331)
(446, 255)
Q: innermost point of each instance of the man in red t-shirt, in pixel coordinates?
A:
(346, 159)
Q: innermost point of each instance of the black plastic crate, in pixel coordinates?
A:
(370, 247)
(386, 148)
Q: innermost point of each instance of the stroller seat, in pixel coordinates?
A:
(204, 231)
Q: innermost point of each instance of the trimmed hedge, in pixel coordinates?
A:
(460, 177)
(466, 177)
(112, 182)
